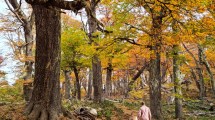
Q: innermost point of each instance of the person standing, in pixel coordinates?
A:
(144, 112)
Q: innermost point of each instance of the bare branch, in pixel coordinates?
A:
(13, 11)
(132, 41)
(97, 2)
(190, 53)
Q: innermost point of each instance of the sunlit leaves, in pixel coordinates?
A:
(73, 40)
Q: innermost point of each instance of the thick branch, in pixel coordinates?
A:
(67, 5)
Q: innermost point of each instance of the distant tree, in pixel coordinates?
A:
(72, 57)
(2, 73)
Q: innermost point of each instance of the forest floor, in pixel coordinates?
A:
(115, 111)
(115, 108)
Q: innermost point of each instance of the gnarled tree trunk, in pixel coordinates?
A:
(45, 103)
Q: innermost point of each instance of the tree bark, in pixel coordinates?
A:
(45, 102)
(67, 84)
(194, 76)
(137, 75)
(77, 83)
(155, 69)
(108, 79)
(89, 91)
(97, 79)
(96, 63)
(29, 40)
(177, 83)
(199, 72)
(208, 68)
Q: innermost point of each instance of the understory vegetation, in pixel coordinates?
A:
(12, 105)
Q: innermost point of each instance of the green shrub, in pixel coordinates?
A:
(11, 93)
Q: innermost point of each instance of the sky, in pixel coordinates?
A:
(5, 51)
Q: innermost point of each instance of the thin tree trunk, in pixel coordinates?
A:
(67, 84)
(77, 83)
(45, 103)
(208, 68)
(194, 76)
(108, 79)
(89, 91)
(29, 40)
(177, 84)
(96, 63)
(137, 75)
(199, 72)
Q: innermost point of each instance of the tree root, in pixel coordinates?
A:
(39, 112)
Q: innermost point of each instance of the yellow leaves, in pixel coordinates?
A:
(200, 35)
(210, 55)
(157, 9)
(201, 9)
(106, 2)
(174, 2)
(70, 22)
(137, 94)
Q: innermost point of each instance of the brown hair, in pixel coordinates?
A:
(142, 103)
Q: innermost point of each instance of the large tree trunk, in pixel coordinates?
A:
(155, 69)
(89, 91)
(108, 79)
(177, 84)
(45, 103)
(96, 63)
(67, 84)
(77, 83)
(155, 87)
